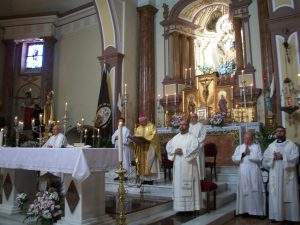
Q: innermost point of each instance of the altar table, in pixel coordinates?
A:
(83, 170)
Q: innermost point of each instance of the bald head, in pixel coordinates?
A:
(248, 137)
(56, 129)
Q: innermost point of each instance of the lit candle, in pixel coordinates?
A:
(185, 73)
(66, 106)
(197, 84)
(16, 120)
(125, 89)
(49, 122)
(33, 122)
(190, 69)
(98, 132)
(85, 131)
(120, 142)
(41, 118)
(82, 120)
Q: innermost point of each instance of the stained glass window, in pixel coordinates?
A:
(34, 57)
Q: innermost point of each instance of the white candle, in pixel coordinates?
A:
(166, 100)
(33, 122)
(85, 131)
(185, 73)
(66, 106)
(183, 102)
(190, 69)
(251, 90)
(120, 143)
(98, 132)
(197, 85)
(158, 99)
(1, 137)
(16, 120)
(82, 120)
(125, 89)
(175, 98)
(41, 118)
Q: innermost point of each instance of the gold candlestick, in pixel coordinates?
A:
(121, 220)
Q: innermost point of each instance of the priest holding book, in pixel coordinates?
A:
(146, 150)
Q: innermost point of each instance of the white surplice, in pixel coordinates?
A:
(283, 184)
(250, 189)
(56, 141)
(186, 182)
(126, 147)
(199, 131)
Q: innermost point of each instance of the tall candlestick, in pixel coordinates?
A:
(120, 142)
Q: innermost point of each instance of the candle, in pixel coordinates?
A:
(120, 143)
(41, 118)
(85, 131)
(175, 96)
(166, 100)
(82, 120)
(33, 122)
(158, 99)
(185, 74)
(251, 90)
(197, 84)
(183, 102)
(66, 106)
(190, 69)
(166, 113)
(98, 132)
(125, 89)
(16, 120)
(1, 137)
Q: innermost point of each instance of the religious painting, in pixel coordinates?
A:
(191, 103)
(224, 99)
(202, 113)
(246, 79)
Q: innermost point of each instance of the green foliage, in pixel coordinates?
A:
(105, 143)
(265, 137)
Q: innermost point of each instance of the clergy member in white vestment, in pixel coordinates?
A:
(250, 189)
(199, 131)
(126, 141)
(57, 140)
(183, 149)
(281, 158)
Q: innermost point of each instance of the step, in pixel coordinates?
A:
(222, 198)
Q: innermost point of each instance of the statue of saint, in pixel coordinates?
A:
(191, 105)
(49, 109)
(223, 105)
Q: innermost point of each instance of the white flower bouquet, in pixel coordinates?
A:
(217, 119)
(46, 208)
(21, 199)
(226, 68)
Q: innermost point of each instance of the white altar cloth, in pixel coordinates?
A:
(79, 162)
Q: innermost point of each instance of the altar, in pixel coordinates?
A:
(83, 170)
(226, 138)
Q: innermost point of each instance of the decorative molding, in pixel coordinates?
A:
(72, 197)
(7, 186)
(276, 4)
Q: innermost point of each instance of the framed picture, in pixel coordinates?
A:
(202, 113)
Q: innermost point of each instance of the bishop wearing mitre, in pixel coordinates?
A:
(147, 154)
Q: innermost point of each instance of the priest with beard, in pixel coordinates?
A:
(281, 158)
(250, 190)
(183, 149)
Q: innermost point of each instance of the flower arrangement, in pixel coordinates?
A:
(217, 119)
(226, 68)
(175, 121)
(206, 69)
(21, 199)
(46, 208)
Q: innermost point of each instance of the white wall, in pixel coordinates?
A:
(77, 74)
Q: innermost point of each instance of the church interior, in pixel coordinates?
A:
(82, 65)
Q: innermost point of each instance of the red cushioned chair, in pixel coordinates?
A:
(207, 187)
(210, 152)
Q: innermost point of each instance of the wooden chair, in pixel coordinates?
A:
(210, 152)
(207, 187)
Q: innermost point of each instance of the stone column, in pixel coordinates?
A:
(237, 25)
(185, 51)
(48, 60)
(176, 52)
(146, 82)
(192, 55)
(7, 83)
(246, 38)
(170, 54)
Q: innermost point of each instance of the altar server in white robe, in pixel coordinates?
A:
(183, 149)
(250, 189)
(199, 131)
(126, 144)
(281, 158)
(57, 140)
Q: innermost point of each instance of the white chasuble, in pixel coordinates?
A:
(250, 189)
(186, 182)
(283, 183)
(56, 141)
(199, 131)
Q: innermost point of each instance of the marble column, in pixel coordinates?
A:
(246, 38)
(8, 81)
(176, 56)
(146, 88)
(237, 25)
(170, 54)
